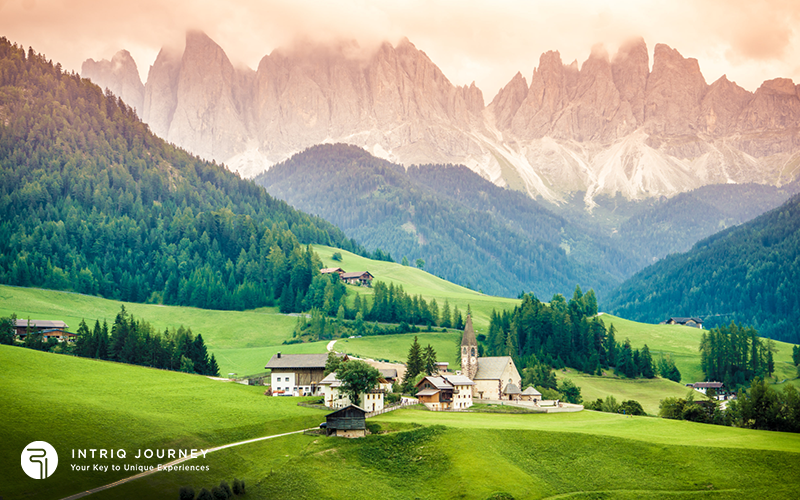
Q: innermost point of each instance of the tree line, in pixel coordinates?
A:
(568, 333)
(130, 340)
(735, 355)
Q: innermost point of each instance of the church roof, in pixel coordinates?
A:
(469, 333)
(492, 368)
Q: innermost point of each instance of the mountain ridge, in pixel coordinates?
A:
(609, 126)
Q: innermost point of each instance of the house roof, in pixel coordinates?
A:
(437, 382)
(707, 385)
(459, 380)
(347, 409)
(427, 392)
(40, 323)
(306, 361)
(388, 373)
(359, 274)
(469, 333)
(331, 380)
(511, 389)
(492, 367)
(531, 391)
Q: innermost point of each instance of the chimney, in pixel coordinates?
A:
(279, 355)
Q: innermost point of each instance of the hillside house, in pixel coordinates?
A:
(436, 393)
(462, 391)
(297, 374)
(48, 329)
(363, 278)
(693, 322)
(390, 374)
(330, 388)
(331, 270)
(705, 386)
(349, 422)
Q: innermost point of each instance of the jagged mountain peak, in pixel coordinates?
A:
(609, 125)
(120, 75)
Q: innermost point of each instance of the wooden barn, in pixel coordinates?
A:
(349, 422)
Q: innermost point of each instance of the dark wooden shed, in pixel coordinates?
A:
(350, 421)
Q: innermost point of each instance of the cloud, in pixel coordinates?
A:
(480, 40)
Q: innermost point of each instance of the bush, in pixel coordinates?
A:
(223, 485)
(238, 487)
(631, 407)
(186, 493)
(218, 493)
(205, 495)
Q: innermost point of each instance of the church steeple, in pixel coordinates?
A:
(469, 350)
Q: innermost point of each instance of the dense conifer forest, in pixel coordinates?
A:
(748, 274)
(91, 201)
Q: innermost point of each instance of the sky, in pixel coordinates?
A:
(487, 42)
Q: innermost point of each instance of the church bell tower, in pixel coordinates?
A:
(469, 351)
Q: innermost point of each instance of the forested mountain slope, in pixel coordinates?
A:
(91, 201)
(748, 273)
(466, 229)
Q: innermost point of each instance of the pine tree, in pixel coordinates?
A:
(414, 364)
(445, 322)
(646, 363)
(429, 360)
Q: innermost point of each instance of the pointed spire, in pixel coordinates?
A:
(469, 334)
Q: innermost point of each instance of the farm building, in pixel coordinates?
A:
(363, 278)
(705, 386)
(436, 393)
(297, 374)
(693, 322)
(331, 270)
(349, 422)
(48, 329)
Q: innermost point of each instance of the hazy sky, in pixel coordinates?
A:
(470, 40)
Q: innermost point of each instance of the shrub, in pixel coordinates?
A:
(223, 485)
(218, 493)
(205, 495)
(186, 493)
(631, 407)
(238, 487)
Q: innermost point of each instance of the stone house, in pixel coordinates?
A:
(297, 374)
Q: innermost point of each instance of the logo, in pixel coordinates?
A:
(39, 460)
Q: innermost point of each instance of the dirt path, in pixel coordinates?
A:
(330, 345)
(173, 463)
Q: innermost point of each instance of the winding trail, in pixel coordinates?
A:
(330, 345)
(173, 463)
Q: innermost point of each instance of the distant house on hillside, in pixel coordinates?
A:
(297, 374)
(363, 278)
(331, 270)
(705, 386)
(48, 329)
(693, 322)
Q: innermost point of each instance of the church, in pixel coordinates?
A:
(495, 377)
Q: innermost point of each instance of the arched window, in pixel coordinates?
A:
(473, 351)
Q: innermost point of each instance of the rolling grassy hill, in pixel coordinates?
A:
(463, 455)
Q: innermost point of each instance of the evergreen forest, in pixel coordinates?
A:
(92, 202)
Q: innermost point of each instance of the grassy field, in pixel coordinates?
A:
(75, 403)
(648, 393)
(683, 345)
(415, 281)
(484, 456)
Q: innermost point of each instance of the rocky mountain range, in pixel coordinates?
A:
(610, 126)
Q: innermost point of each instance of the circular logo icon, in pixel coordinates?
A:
(39, 460)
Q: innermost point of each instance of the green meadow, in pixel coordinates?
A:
(75, 403)
(418, 282)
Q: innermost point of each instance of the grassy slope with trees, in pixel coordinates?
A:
(527, 456)
(91, 201)
(466, 229)
(748, 274)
